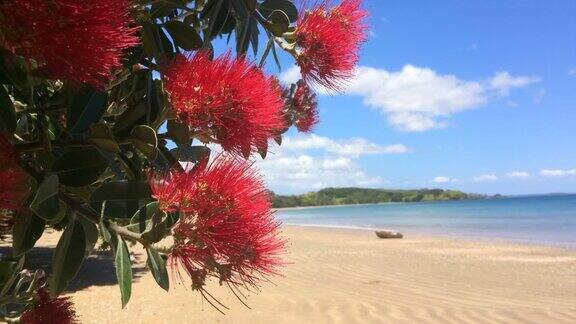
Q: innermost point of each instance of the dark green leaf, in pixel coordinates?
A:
(278, 139)
(190, 153)
(10, 267)
(254, 34)
(46, 203)
(27, 230)
(12, 69)
(86, 108)
(263, 149)
(116, 208)
(7, 112)
(161, 9)
(285, 6)
(184, 35)
(101, 135)
(151, 40)
(278, 23)
(123, 271)
(122, 190)
(68, 256)
(157, 265)
(179, 132)
(144, 139)
(80, 167)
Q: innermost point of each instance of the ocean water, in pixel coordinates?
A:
(549, 219)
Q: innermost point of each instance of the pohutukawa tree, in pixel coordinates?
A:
(107, 108)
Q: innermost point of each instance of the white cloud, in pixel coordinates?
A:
(351, 146)
(418, 98)
(302, 172)
(311, 162)
(503, 82)
(443, 179)
(520, 175)
(485, 178)
(292, 75)
(558, 173)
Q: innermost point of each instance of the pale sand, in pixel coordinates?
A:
(350, 276)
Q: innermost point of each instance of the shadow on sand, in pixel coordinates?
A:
(97, 270)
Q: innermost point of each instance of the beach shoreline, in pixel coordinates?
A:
(350, 276)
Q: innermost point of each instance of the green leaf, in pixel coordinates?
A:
(123, 271)
(285, 6)
(184, 35)
(12, 69)
(150, 40)
(68, 256)
(26, 231)
(278, 23)
(144, 214)
(104, 231)
(62, 210)
(152, 222)
(144, 139)
(86, 108)
(157, 265)
(190, 153)
(101, 135)
(91, 232)
(9, 267)
(115, 208)
(80, 167)
(7, 112)
(122, 190)
(46, 203)
(178, 132)
(158, 228)
(161, 9)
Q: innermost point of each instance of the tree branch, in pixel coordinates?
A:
(91, 215)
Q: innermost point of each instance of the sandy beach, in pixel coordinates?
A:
(350, 276)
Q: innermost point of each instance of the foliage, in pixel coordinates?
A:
(107, 108)
(345, 196)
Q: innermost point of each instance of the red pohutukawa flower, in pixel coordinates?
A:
(329, 40)
(305, 108)
(227, 100)
(50, 310)
(14, 188)
(226, 229)
(81, 41)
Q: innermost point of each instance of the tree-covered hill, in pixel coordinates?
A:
(352, 195)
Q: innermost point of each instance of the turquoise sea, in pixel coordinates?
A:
(549, 219)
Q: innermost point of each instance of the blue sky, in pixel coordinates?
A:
(472, 95)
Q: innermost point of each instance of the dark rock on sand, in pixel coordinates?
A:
(388, 234)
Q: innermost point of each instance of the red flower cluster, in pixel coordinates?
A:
(329, 41)
(13, 179)
(77, 40)
(305, 108)
(229, 101)
(226, 228)
(50, 310)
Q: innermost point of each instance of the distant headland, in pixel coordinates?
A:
(353, 195)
